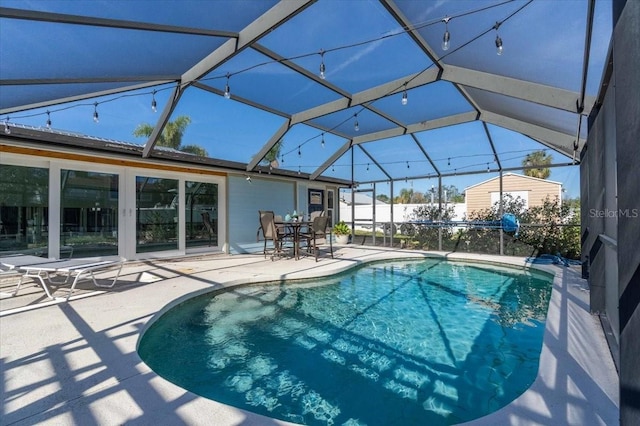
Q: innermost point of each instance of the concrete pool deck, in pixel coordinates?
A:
(76, 363)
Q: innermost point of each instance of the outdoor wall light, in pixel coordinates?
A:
(48, 120)
(405, 99)
(95, 113)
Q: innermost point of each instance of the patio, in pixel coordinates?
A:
(76, 362)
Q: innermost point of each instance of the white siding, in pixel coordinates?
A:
(245, 199)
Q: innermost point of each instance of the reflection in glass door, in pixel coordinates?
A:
(88, 213)
(201, 214)
(24, 210)
(156, 214)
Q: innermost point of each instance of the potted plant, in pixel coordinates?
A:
(341, 230)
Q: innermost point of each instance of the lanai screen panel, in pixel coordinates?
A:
(344, 122)
(552, 118)
(305, 148)
(429, 102)
(513, 147)
(269, 83)
(400, 157)
(549, 54)
(224, 15)
(458, 149)
(600, 43)
(365, 43)
(211, 125)
(350, 33)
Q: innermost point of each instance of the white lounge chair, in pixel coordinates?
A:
(58, 273)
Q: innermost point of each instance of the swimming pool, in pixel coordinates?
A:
(406, 342)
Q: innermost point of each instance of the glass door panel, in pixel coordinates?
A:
(156, 214)
(88, 213)
(201, 214)
(24, 210)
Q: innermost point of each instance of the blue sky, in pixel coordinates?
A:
(233, 131)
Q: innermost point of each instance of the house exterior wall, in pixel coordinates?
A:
(479, 197)
(236, 216)
(244, 201)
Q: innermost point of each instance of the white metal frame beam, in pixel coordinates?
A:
(557, 140)
(531, 92)
(271, 19)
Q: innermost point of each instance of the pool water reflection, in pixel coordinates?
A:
(395, 343)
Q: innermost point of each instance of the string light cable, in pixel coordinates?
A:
(403, 87)
(322, 52)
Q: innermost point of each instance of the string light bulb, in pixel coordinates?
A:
(449, 161)
(95, 113)
(356, 125)
(299, 152)
(298, 169)
(446, 37)
(498, 39)
(322, 67)
(405, 99)
(498, 45)
(48, 120)
(154, 104)
(367, 167)
(488, 169)
(408, 165)
(322, 141)
(227, 91)
(7, 129)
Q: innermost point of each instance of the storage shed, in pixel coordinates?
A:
(532, 190)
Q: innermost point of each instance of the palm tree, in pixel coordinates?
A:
(171, 135)
(537, 158)
(271, 157)
(405, 196)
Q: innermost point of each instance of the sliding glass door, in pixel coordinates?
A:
(24, 210)
(157, 214)
(88, 213)
(201, 214)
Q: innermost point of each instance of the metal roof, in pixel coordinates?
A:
(465, 106)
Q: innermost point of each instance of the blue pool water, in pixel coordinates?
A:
(425, 342)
